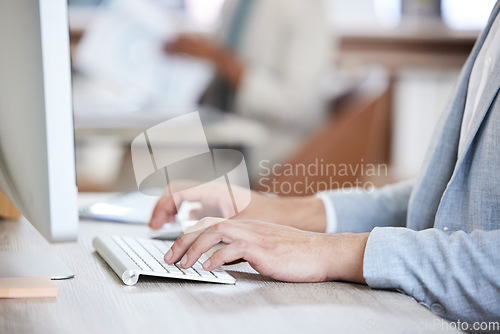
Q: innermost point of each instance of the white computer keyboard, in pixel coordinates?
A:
(132, 257)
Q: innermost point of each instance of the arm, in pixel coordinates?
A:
(281, 252)
(226, 64)
(455, 275)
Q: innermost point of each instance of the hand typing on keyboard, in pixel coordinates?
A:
(305, 213)
(281, 252)
(281, 249)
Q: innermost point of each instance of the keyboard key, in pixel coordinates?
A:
(126, 248)
(162, 246)
(221, 273)
(144, 255)
(154, 250)
(159, 256)
(203, 273)
(188, 271)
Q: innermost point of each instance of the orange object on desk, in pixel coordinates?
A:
(27, 287)
(7, 209)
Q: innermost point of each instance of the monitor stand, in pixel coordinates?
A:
(16, 264)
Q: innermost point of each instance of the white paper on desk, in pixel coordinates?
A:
(132, 208)
(136, 208)
(123, 46)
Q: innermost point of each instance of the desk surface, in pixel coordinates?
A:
(96, 301)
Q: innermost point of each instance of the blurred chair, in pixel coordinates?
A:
(357, 133)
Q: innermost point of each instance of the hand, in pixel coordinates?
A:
(226, 63)
(306, 213)
(195, 46)
(280, 252)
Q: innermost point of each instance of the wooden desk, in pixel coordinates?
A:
(96, 301)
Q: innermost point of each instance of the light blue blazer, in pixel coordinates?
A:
(438, 238)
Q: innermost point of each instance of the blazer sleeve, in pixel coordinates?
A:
(357, 210)
(455, 275)
(291, 95)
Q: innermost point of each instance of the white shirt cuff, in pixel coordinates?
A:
(331, 214)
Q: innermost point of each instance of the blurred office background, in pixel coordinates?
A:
(392, 66)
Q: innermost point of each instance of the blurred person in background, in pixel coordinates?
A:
(269, 56)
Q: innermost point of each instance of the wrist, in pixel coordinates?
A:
(229, 67)
(304, 213)
(345, 256)
(307, 213)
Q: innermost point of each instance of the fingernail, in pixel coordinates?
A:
(168, 256)
(184, 260)
(207, 264)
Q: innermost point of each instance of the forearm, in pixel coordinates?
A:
(226, 63)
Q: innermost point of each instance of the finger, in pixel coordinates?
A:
(164, 211)
(182, 244)
(206, 240)
(234, 252)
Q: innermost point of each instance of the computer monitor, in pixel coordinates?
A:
(37, 164)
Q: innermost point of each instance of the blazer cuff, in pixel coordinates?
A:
(385, 265)
(331, 214)
(382, 267)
